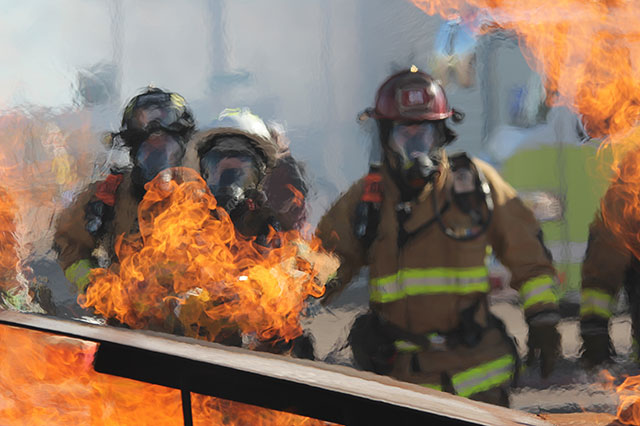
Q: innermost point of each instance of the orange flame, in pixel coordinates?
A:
(298, 197)
(36, 168)
(585, 49)
(8, 245)
(628, 392)
(188, 266)
(49, 380)
(588, 53)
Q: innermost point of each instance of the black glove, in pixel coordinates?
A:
(544, 341)
(332, 290)
(597, 346)
(372, 349)
(300, 347)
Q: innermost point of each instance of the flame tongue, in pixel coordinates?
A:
(588, 53)
(189, 268)
(49, 380)
(8, 245)
(585, 49)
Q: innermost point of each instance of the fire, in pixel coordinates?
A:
(586, 50)
(588, 53)
(8, 246)
(189, 268)
(49, 380)
(37, 173)
(298, 198)
(628, 392)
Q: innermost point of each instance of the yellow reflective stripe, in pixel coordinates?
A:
(538, 290)
(484, 377)
(432, 386)
(595, 302)
(404, 346)
(178, 101)
(413, 282)
(476, 272)
(78, 273)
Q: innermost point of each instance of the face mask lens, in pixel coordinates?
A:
(224, 170)
(412, 140)
(157, 153)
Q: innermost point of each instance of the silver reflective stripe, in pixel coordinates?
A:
(530, 294)
(596, 302)
(538, 290)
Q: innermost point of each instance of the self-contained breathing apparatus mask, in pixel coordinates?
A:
(233, 173)
(416, 148)
(156, 153)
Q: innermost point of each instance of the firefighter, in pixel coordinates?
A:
(423, 221)
(251, 174)
(156, 126)
(608, 266)
(254, 178)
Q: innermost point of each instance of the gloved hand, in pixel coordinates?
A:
(372, 349)
(543, 341)
(332, 290)
(312, 307)
(597, 346)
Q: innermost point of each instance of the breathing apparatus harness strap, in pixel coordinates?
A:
(469, 186)
(471, 193)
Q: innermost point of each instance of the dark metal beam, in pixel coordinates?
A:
(333, 393)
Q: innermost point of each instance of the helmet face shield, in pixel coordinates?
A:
(158, 152)
(153, 111)
(143, 115)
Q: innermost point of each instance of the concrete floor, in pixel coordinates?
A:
(570, 389)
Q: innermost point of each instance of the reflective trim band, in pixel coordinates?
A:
(414, 282)
(78, 273)
(595, 302)
(432, 386)
(404, 346)
(538, 290)
(484, 377)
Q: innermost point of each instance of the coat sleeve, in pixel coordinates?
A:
(516, 239)
(73, 242)
(335, 230)
(603, 270)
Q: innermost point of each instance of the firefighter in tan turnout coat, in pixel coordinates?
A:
(422, 222)
(156, 126)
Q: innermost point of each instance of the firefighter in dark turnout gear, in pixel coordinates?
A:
(156, 126)
(436, 215)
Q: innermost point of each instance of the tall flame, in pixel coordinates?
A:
(36, 171)
(8, 246)
(586, 50)
(188, 264)
(49, 380)
(588, 53)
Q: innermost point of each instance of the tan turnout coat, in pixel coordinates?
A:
(423, 286)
